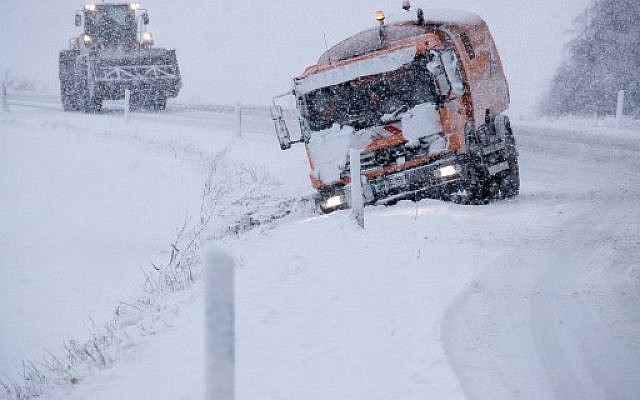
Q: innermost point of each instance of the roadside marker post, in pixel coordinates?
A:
(620, 106)
(127, 103)
(357, 203)
(3, 94)
(220, 326)
(238, 125)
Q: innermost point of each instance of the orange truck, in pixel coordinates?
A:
(423, 100)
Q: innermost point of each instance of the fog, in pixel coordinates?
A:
(248, 51)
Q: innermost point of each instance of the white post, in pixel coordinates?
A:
(238, 126)
(220, 325)
(127, 103)
(3, 94)
(357, 203)
(620, 106)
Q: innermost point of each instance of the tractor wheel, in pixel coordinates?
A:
(86, 102)
(68, 85)
(159, 104)
(68, 95)
(69, 101)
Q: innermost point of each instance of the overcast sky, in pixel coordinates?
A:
(248, 51)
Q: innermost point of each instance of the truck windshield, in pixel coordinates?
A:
(362, 102)
(112, 26)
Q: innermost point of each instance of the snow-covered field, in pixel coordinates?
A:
(84, 206)
(536, 298)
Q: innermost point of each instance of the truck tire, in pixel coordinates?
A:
(474, 189)
(509, 182)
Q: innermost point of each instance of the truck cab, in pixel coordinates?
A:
(422, 100)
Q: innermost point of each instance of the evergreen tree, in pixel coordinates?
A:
(603, 58)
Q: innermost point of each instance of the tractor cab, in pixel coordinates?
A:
(114, 53)
(119, 26)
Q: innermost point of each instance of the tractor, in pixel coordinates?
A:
(114, 53)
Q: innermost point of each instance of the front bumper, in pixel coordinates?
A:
(438, 179)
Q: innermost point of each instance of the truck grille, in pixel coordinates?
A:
(395, 155)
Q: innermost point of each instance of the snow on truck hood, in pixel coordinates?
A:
(348, 72)
(329, 148)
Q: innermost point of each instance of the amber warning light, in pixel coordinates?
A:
(380, 16)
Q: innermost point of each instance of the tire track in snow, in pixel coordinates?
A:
(536, 324)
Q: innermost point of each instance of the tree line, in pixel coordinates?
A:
(603, 58)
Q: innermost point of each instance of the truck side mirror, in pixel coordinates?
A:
(282, 131)
(145, 18)
(78, 20)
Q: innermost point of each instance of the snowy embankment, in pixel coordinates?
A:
(532, 299)
(93, 206)
(83, 208)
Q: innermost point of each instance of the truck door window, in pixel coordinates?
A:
(452, 68)
(436, 68)
(444, 66)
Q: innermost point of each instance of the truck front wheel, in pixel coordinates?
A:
(474, 189)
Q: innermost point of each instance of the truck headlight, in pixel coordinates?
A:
(86, 39)
(334, 201)
(147, 38)
(135, 6)
(447, 171)
(90, 7)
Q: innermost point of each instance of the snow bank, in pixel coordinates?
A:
(82, 210)
(90, 201)
(328, 150)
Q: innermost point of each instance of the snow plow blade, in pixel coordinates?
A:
(148, 74)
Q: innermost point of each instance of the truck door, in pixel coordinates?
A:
(445, 67)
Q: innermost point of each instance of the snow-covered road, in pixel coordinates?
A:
(533, 299)
(554, 315)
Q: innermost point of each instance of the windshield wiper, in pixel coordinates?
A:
(385, 119)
